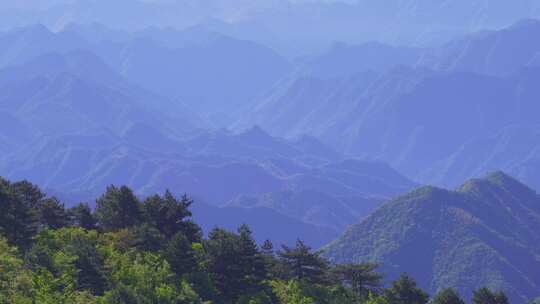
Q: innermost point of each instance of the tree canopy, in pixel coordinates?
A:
(147, 251)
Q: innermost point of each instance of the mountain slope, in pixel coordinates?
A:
(514, 149)
(484, 233)
(407, 117)
(267, 224)
(501, 52)
(215, 169)
(217, 74)
(72, 92)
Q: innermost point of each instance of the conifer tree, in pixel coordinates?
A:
(118, 208)
(361, 278)
(52, 214)
(405, 291)
(81, 216)
(485, 296)
(167, 213)
(181, 255)
(252, 263)
(447, 296)
(303, 264)
(18, 219)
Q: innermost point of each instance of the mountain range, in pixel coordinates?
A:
(179, 65)
(291, 26)
(481, 234)
(74, 126)
(427, 117)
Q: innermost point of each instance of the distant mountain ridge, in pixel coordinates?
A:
(426, 115)
(180, 65)
(289, 25)
(483, 233)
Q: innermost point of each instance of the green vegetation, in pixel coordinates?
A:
(482, 234)
(142, 252)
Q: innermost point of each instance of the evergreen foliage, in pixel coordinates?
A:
(152, 252)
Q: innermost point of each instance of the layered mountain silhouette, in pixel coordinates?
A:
(288, 25)
(180, 65)
(483, 233)
(421, 118)
(58, 94)
(498, 53)
(77, 127)
(322, 192)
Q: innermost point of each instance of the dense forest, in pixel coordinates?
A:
(128, 250)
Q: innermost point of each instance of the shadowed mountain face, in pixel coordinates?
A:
(482, 234)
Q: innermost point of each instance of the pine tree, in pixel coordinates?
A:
(235, 263)
(18, 219)
(181, 255)
(405, 291)
(252, 263)
(267, 248)
(146, 238)
(169, 215)
(118, 208)
(52, 214)
(485, 296)
(303, 264)
(447, 296)
(81, 216)
(361, 278)
(28, 194)
(223, 264)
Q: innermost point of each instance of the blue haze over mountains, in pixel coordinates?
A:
(299, 118)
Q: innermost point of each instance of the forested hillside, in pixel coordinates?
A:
(129, 251)
(484, 233)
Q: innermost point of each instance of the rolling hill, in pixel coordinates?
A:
(483, 233)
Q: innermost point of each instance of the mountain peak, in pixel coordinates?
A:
(430, 230)
(255, 132)
(497, 181)
(499, 177)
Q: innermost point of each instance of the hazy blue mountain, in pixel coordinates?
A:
(215, 75)
(500, 52)
(311, 25)
(180, 65)
(491, 52)
(307, 105)
(343, 60)
(81, 164)
(414, 118)
(58, 94)
(88, 162)
(270, 224)
(513, 149)
(293, 27)
(22, 44)
(312, 206)
(483, 234)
